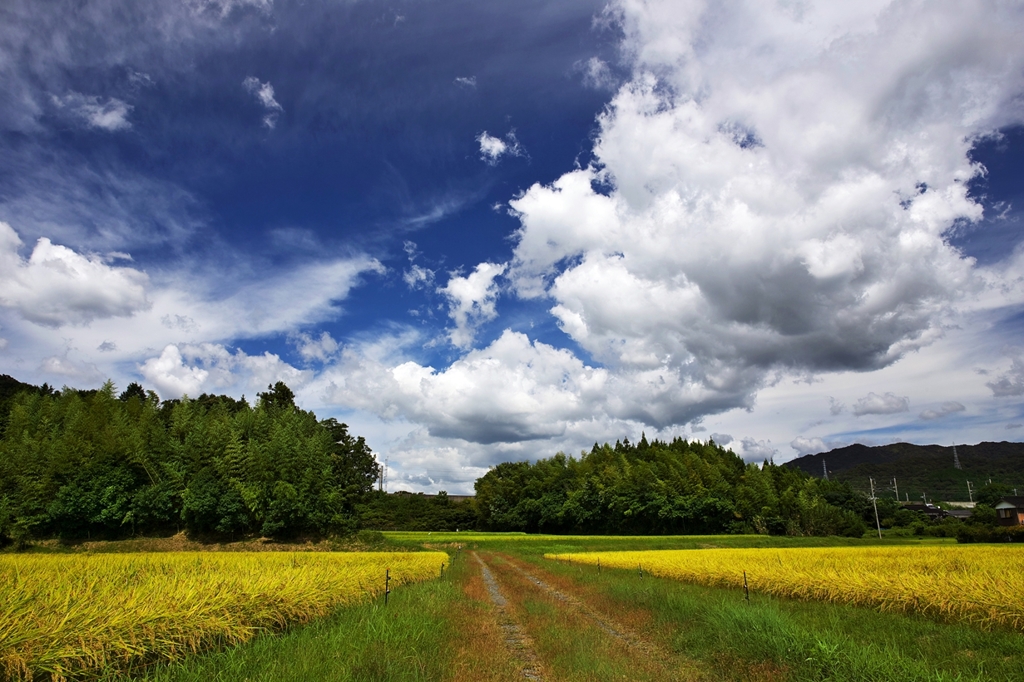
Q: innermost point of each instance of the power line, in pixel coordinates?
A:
(874, 503)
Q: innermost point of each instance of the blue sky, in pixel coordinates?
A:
(490, 231)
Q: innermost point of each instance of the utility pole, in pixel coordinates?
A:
(970, 493)
(384, 474)
(874, 503)
(896, 488)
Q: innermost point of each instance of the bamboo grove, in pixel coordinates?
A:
(94, 464)
(679, 487)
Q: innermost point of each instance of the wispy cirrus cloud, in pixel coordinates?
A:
(264, 93)
(110, 114)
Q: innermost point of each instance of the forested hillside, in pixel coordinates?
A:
(81, 464)
(924, 469)
(658, 487)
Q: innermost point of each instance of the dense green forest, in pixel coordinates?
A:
(679, 487)
(78, 464)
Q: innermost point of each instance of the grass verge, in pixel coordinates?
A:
(782, 639)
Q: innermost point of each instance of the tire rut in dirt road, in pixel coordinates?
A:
(612, 629)
(516, 639)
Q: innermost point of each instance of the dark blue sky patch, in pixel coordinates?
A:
(1001, 191)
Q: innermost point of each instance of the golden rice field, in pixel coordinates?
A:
(974, 583)
(72, 615)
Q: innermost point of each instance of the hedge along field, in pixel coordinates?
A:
(78, 616)
(972, 584)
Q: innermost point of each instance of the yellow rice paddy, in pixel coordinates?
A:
(70, 615)
(974, 583)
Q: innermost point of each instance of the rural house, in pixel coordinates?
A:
(930, 510)
(1010, 511)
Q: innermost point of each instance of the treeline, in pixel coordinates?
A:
(416, 511)
(653, 488)
(93, 464)
(78, 464)
(922, 471)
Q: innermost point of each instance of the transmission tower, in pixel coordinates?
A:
(824, 469)
(956, 459)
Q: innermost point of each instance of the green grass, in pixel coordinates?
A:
(730, 639)
(538, 545)
(808, 640)
(405, 640)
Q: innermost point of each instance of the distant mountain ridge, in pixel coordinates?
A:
(921, 469)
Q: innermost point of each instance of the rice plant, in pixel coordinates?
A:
(75, 615)
(972, 584)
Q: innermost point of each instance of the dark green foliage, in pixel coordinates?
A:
(981, 533)
(78, 464)
(416, 511)
(991, 493)
(924, 469)
(679, 487)
(983, 515)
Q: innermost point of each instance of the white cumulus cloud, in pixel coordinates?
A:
(752, 450)
(943, 410)
(493, 148)
(772, 192)
(808, 446)
(194, 369)
(472, 301)
(1011, 382)
(321, 348)
(512, 390)
(889, 403)
(57, 286)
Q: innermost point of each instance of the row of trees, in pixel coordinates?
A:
(94, 464)
(416, 511)
(678, 487)
(79, 464)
